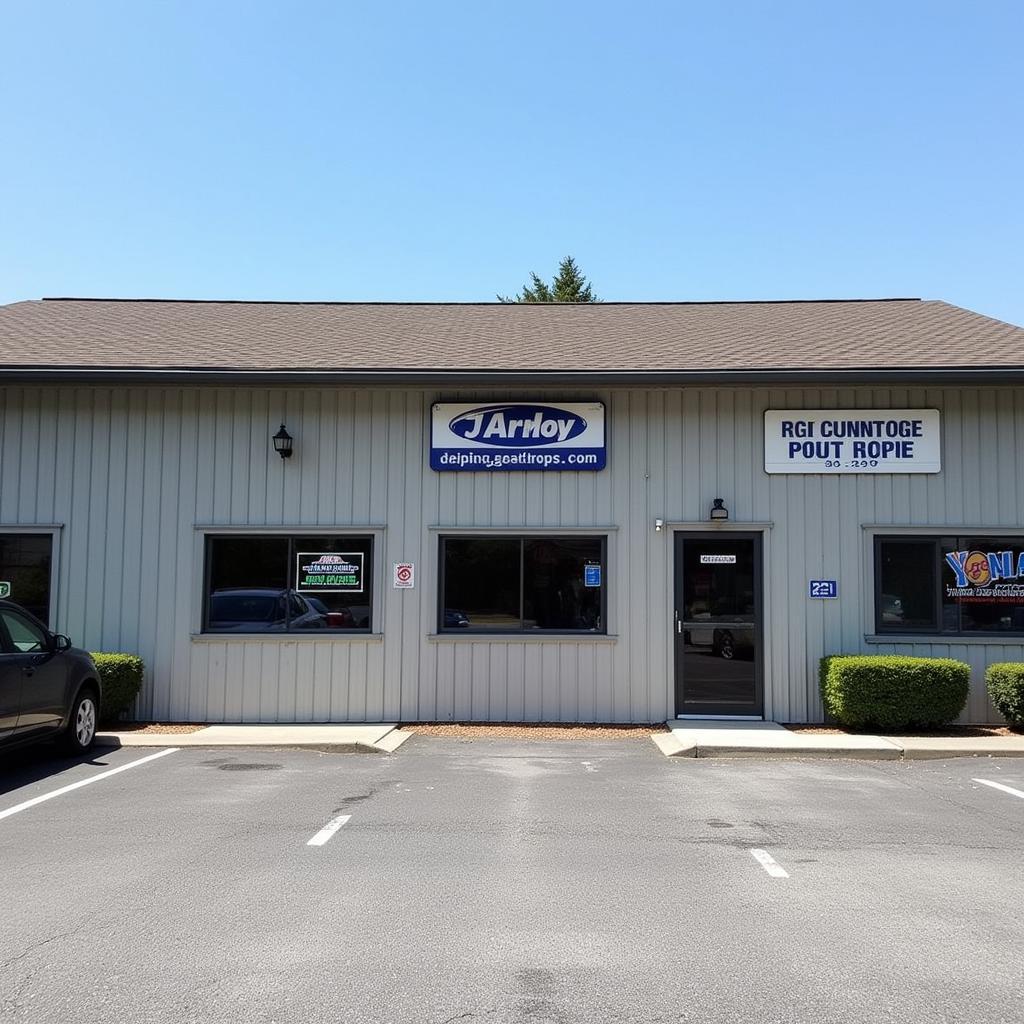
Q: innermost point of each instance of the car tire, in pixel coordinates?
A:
(81, 729)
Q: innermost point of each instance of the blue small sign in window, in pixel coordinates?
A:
(592, 576)
(823, 588)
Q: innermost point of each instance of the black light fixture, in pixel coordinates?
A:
(718, 510)
(283, 443)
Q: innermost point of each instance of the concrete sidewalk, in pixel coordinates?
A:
(374, 739)
(769, 739)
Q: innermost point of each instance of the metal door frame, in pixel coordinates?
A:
(679, 538)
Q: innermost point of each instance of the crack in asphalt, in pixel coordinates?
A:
(38, 945)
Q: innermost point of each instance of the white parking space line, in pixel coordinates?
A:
(85, 782)
(328, 830)
(769, 863)
(1000, 786)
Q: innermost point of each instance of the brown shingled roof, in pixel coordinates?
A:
(605, 337)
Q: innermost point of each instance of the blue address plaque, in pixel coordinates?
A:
(823, 588)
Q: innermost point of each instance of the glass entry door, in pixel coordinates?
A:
(718, 624)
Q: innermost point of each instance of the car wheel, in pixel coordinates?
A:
(726, 647)
(81, 730)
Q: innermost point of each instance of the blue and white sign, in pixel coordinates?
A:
(517, 436)
(823, 588)
(852, 441)
(591, 575)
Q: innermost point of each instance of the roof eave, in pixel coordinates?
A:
(476, 378)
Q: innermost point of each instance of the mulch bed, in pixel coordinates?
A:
(531, 731)
(168, 728)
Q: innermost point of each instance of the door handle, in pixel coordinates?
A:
(28, 670)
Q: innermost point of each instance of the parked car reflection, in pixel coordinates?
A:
(454, 619)
(261, 610)
(342, 618)
(726, 637)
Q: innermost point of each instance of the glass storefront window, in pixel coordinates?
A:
(25, 563)
(950, 585)
(906, 575)
(522, 584)
(274, 584)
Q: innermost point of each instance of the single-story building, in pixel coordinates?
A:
(620, 512)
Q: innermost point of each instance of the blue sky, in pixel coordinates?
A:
(441, 151)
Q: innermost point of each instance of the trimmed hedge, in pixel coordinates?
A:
(121, 678)
(892, 691)
(1005, 681)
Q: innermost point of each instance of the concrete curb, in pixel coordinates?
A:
(832, 753)
(688, 743)
(671, 745)
(332, 739)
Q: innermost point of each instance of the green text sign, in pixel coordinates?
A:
(329, 572)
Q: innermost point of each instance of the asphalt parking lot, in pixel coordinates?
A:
(499, 882)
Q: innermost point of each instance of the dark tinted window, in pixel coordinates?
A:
(906, 582)
(555, 591)
(516, 584)
(272, 584)
(25, 564)
(481, 583)
(950, 585)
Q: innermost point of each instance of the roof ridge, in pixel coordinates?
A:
(489, 305)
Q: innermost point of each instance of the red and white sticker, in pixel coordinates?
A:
(404, 575)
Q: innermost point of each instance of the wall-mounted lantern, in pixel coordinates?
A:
(659, 525)
(283, 443)
(718, 510)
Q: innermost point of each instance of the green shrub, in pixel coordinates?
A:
(121, 677)
(891, 691)
(1005, 681)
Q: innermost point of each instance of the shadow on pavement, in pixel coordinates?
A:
(46, 760)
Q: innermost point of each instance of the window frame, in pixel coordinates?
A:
(295, 538)
(53, 531)
(937, 541)
(521, 537)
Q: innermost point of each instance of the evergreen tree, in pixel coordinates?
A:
(569, 285)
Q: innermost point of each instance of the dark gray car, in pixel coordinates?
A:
(47, 687)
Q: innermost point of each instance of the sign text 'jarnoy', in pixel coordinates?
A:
(518, 436)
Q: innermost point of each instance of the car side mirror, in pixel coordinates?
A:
(60, 642)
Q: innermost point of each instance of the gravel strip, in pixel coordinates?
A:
(168, 728)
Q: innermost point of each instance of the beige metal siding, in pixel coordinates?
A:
(131, 473)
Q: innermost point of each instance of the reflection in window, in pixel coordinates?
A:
(522, 584)
(907, 584)
(25, 636)
(25, 560)
(555, 595)
(273, 584)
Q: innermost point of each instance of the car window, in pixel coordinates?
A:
(25, 636)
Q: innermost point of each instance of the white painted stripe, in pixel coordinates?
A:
(328, 830)
(999, 785)
(85, 782)
(769, 863)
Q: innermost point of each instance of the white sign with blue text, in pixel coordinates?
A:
(517, 436)
(852, 441)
